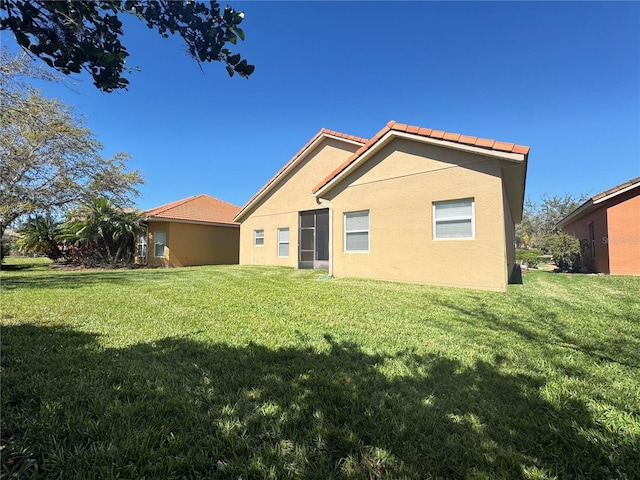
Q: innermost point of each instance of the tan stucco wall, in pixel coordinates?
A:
(194, 244)
(623, 240)
(152, 228)
(509, 233)
(280, 207)
(398, 186)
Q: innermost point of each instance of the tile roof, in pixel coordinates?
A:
(424, 132)
(273, 179)
(199, 208)
(594, 202)
(623, 186)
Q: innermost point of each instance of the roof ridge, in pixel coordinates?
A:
(322, 131)
(170, 205)
(178, 203)
(199, 208)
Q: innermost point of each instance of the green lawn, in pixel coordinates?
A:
(255, 372)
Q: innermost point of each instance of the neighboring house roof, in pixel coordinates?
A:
(295, 160)
(197, 209)
(440, 137)
(596, 201)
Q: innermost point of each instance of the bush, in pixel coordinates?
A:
(530, 257)
(565, 250)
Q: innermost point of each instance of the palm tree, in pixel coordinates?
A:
(107, 227)
(41, 234)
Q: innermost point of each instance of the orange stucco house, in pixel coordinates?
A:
(197, 230)
(409, 204)
(609, 224)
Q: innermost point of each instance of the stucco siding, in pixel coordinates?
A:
(189, 244)
(280, 207)
(152, 228)
(267, 254)
(623, 239)
(398, 186)
(510, 235)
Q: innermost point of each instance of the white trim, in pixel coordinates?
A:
(143, 235)
(390, 135)
(296, 161)
(155, 242)
(288, 242)
(473, 218)
(591, 204)
(256, 237)
(368, 231)
(616, 193)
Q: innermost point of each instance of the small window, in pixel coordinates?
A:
(453, 219)
(142, 245)
(283, 242)
(356, 231)
(159, 243)
(592, 239)
(258, 238)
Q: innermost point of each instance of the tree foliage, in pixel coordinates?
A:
(541, 219)
(41, 234)
(565, 250)
(71, 36)
(48, 158)
(104, 232)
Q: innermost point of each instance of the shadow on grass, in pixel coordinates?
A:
(180, 408)
(8, 267)
(544, 327)
(80, 279)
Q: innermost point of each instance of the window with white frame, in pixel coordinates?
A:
(258, 238)
(356, 231)
(454, 219)
(159, 243)
(283, 242)
(142, 244)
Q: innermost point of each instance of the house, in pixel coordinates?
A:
(198, 230)
(609, 226)
(409, 204)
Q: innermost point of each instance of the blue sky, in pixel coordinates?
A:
(562, 78)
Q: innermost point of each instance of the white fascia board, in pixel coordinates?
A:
(386, 138)
(616, 193)
(513, 157)
(587, 206)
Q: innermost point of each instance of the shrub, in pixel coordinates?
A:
(530, 257)
(40, 235)
(565, 250)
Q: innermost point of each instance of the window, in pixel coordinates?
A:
(454, 219)
(356, 231)
(283, 242)
(592, 239)
(159, 243)
(258, 238)
(142, 245)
